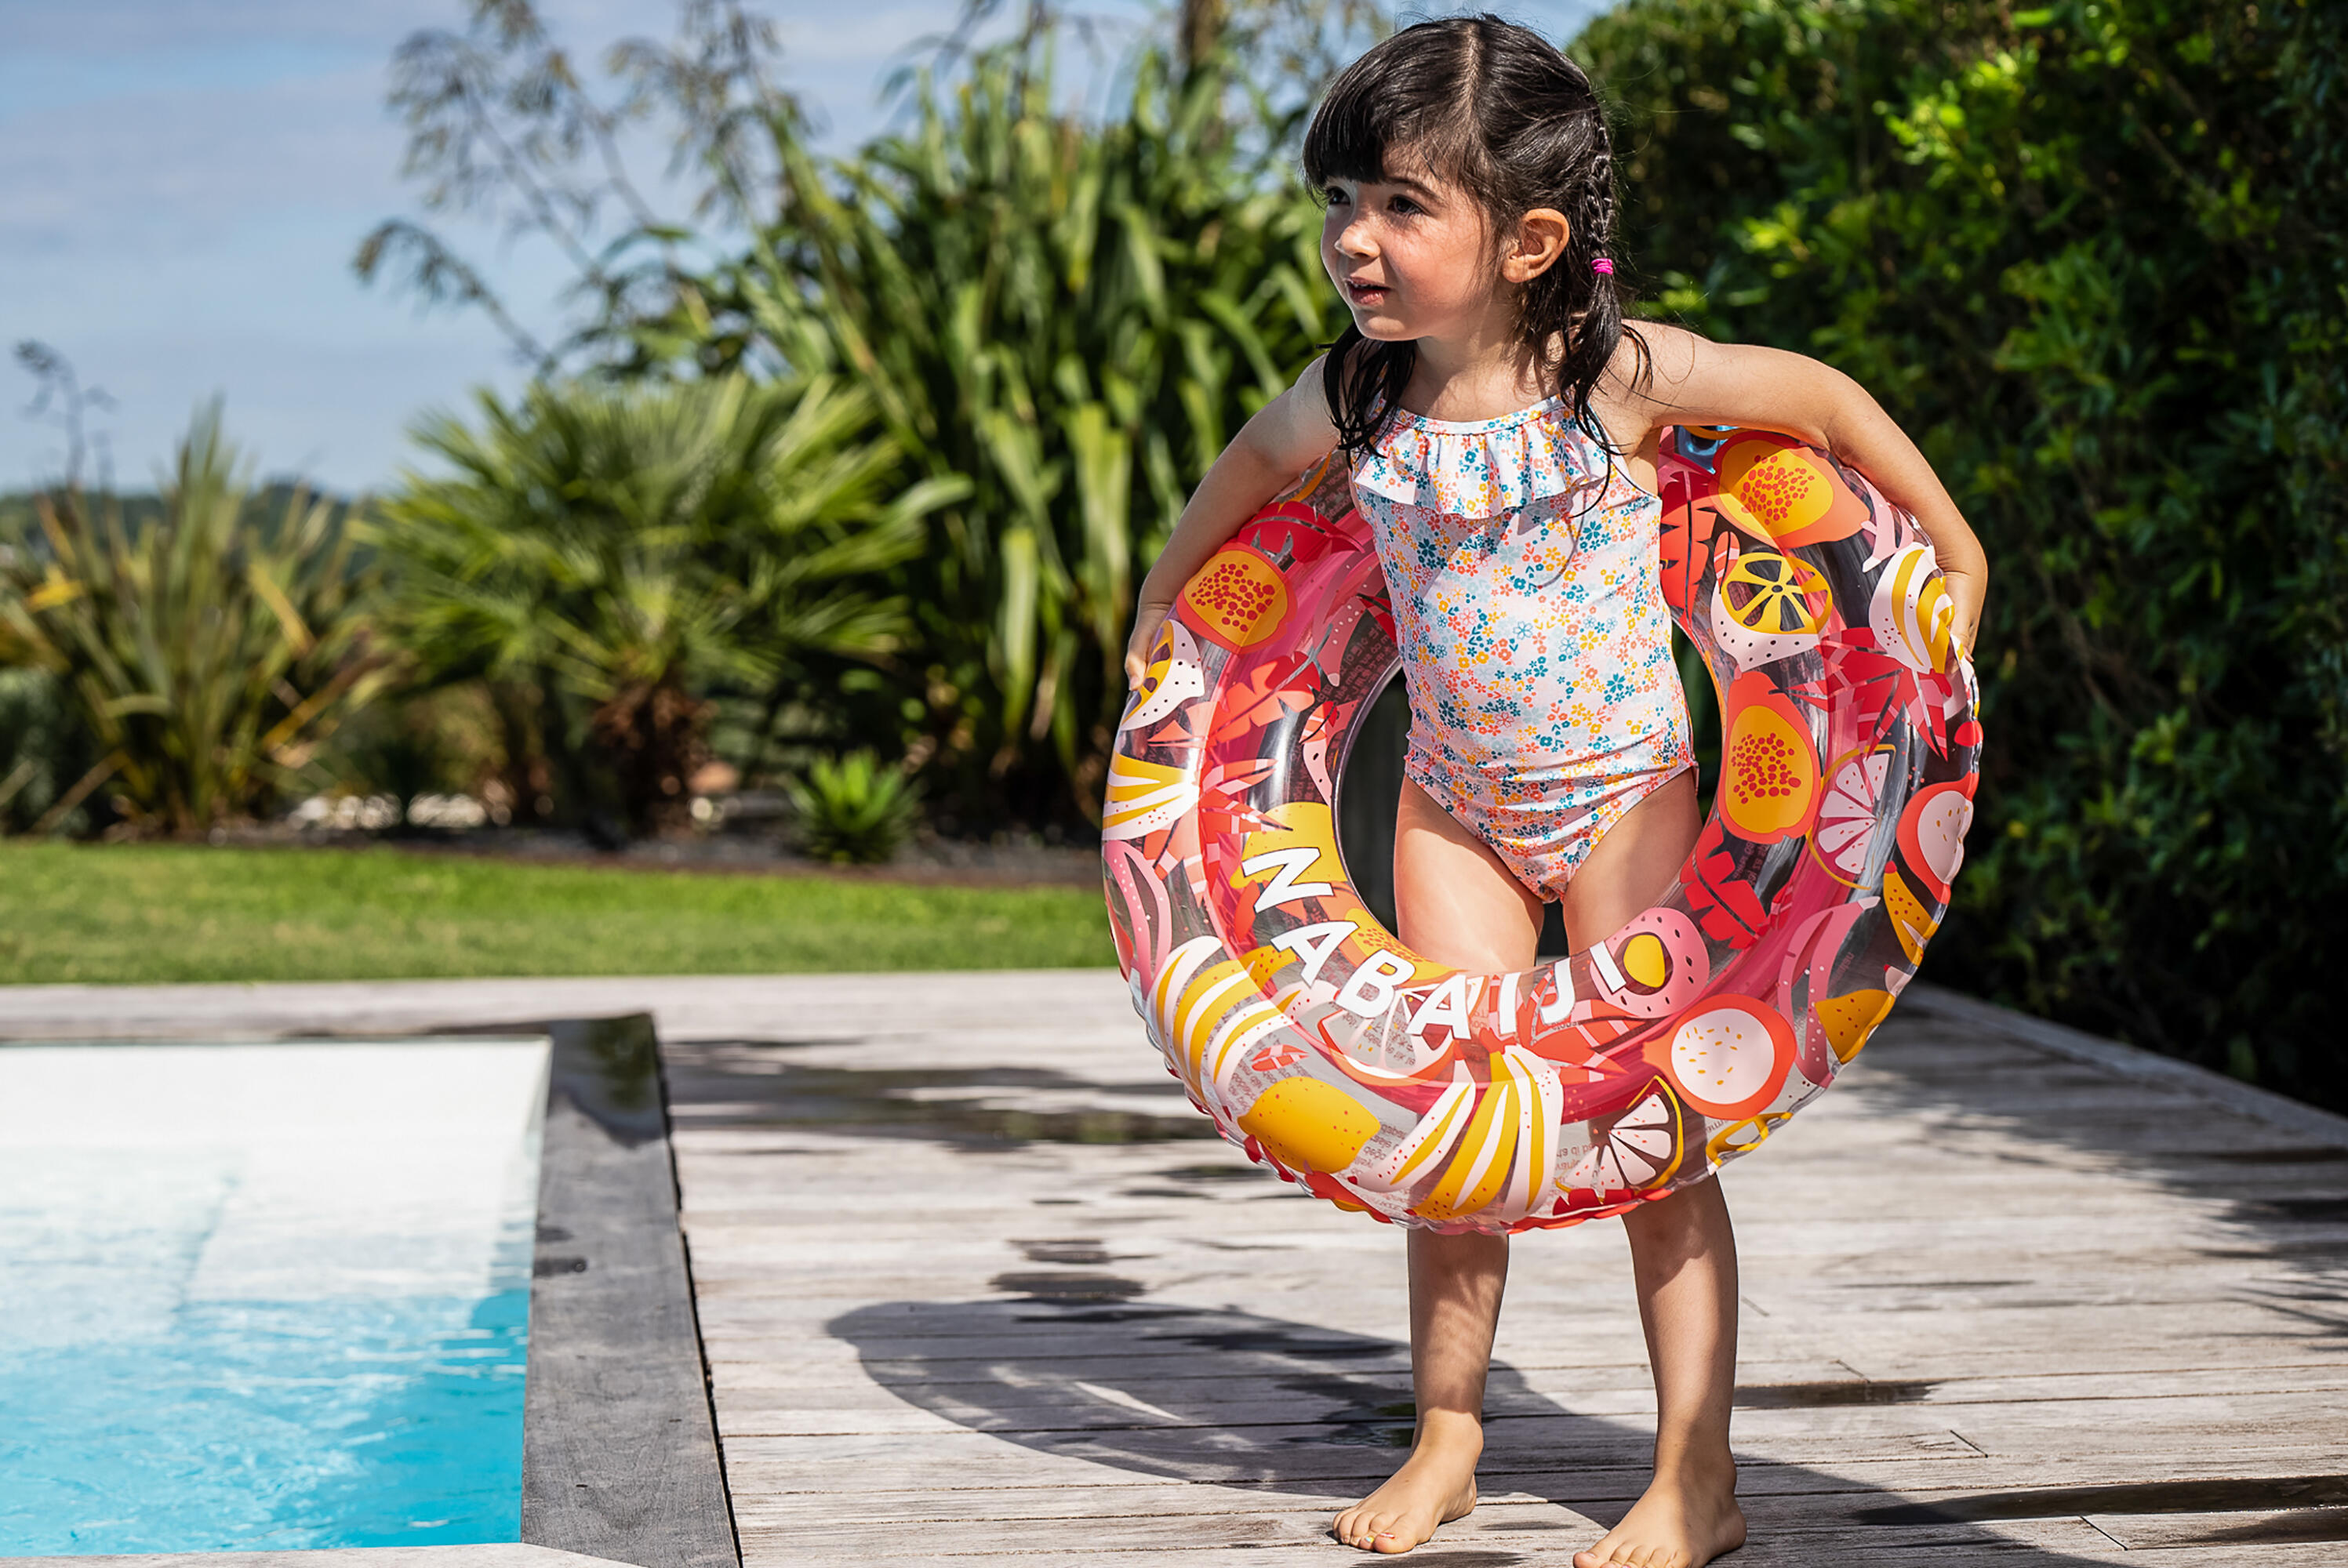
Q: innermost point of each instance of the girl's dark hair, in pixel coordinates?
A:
(1496, 110)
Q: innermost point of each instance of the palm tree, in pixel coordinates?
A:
(623, 552)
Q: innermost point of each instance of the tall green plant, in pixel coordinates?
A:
(207, 651)
(43, 751)
(1073, 317)
(2092, 255)
(619, 554)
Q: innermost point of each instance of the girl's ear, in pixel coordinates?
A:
(1539, 240)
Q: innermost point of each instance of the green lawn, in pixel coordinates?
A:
(152, 913)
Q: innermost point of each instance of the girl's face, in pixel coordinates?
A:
(1411, 255)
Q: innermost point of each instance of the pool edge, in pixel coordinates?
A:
(620, 1463)
(619, 1455)
(477, 1555)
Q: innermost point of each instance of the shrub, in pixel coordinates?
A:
(851, 811)
(439, 741)
(43, 754)
(2090, 255)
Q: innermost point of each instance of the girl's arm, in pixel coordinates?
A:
(1287, 435)
(1698, 382)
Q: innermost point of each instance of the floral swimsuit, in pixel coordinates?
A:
(1535, 646)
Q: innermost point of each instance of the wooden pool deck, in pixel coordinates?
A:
(970, 1288)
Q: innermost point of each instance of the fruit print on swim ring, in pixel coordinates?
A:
(1426, 1096)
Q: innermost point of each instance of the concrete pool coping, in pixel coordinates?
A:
(620, 1456)
(485, 1554)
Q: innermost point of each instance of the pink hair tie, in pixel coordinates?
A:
(1600, 264)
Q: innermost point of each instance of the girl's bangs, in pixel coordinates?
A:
(1366, 115)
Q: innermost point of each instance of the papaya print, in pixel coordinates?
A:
(1424, 1096)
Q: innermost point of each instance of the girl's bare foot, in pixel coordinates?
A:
(1434, 1486)
(1681, 1521)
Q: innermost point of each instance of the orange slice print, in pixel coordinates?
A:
(1639, 1150)
(1844, 832)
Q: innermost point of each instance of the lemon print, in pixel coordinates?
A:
(1909, 921)
(1645, 960)
(1309, 1126)
(1845, 833)
(1776, 592)
(1850, 1020)
(1640, 1149)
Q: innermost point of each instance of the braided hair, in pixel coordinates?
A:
(1496, 110)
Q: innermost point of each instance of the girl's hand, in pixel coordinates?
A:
(1965, 599)
(1148, 618)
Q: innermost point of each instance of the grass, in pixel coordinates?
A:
(151, 914)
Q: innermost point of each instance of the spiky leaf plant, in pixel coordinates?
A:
(207, 651)
(1075, 315)
(852, 811)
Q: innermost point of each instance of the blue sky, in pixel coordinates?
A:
(183, 183)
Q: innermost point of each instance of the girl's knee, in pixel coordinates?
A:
(1697, 1213)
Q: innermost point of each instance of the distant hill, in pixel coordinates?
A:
(266, 505)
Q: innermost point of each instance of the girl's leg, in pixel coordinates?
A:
(1682, 1253)
(1458, 905)
(1683, 1259)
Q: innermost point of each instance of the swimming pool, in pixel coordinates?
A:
(265, 1296)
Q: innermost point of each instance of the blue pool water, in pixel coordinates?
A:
(264, 1298)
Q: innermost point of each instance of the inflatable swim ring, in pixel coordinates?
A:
(1420, 1094)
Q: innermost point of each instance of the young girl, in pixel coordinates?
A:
(1501, 421)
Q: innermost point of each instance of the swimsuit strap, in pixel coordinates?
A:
(1485, 468)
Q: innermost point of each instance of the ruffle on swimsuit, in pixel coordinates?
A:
(1484, 469)
(1521, 562)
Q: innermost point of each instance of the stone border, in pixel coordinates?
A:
(620, 1458)
(2132, 1061)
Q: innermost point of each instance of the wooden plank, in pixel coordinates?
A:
(2299, 1526)
(2114, 1059)
(1781, 1497)
(879, 1372)
(1545, 1529)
